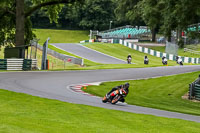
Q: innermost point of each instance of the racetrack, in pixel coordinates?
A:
(88, 53)
(55, 85)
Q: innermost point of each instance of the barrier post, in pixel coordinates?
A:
(47, 63)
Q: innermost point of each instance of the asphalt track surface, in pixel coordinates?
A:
(56, 85)
(87, 53)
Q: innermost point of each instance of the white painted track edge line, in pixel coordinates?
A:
(75, 54)
(101, 53)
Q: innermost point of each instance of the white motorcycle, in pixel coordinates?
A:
(129, 60)
(164, 61)
(179, 61)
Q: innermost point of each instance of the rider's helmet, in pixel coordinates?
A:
(126, 85)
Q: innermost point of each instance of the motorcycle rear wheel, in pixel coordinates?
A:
(115, 99)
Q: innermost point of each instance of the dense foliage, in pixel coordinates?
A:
(15, 24)
(93, 14)
(160, 15)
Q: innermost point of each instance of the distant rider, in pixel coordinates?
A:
(146, 60)
(179, 61)
(164, 60)
(124, 86)
(129, 58)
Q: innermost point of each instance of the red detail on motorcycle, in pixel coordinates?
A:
(113, 94)
(123, 91)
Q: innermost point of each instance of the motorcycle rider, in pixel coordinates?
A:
(164, 60)
(146, 60)
(179, 61)
(123, 86)
(129, 58)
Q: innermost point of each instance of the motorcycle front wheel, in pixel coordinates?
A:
(104, 100)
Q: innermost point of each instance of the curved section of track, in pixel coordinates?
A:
(54, 85)
(88, 53)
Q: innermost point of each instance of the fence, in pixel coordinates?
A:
(63, 57)
(191, 51)
(18, 64)
(194, 90)
(159, 54)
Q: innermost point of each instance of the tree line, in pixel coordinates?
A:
(17, 17)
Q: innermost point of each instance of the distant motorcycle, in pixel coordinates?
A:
(129, 60)
(179, 61)
(164, 60)
(146, 60)
(115, 96)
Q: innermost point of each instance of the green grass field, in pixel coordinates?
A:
(162, 93)
(22, 113)
(61, 36)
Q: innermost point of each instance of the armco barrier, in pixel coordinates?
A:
(60, 56)
(158, 54)
(194, 90)
(18, 64)
(3, 64)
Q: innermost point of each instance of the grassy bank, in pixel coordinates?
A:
(61, 36)
(21, 113)
(162, 93)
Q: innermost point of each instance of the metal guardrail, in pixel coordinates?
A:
(18, 64)
(191, 51)
(194, 89)
(63, 57)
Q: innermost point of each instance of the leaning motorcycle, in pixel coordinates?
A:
(115, 96)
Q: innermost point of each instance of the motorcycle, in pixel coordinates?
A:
(146, 61)
(129, 60)
(164, 61)
(115, 96)
(179, 61)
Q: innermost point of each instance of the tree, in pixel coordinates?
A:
(140, 12)
(150, 10)
(178, 15)
(127, 12)
(19, 24)
(97, 14)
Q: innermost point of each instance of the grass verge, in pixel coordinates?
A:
(162, 93)
(21, 113)
(61, 36)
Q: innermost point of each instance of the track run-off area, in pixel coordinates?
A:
(56, 85)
